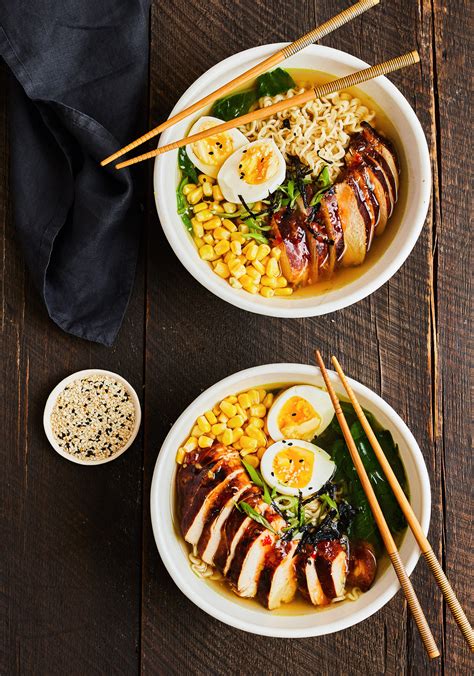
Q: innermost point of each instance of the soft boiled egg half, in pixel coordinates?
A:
(300, 412)
(253, 171)
(209, 154)
(293, 465)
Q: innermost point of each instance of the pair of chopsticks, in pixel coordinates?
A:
(271, 62)
(333, 86)
(426, 549)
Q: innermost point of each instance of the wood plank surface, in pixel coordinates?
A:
(85, 591)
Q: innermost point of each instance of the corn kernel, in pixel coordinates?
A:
(221, 233)
(252, 460)
(232, 399)
(228, 409)
(241, 412)
(276, 253)
(258, 410)
(244, 229)
(202, 206)
(215, 206)
(273, 269)
(204, 178)
(227, 437)
(237, 237)
(237, 434)
(199, 242)
(269, 281)
(262, 393)
(267, 292)
(253, 274)
(235, 421)
(212, 223)
(203, 424)
(189, 187)
(281, 282)
(263, 251)
(256, 422)
(237, 446)
(218, 428)
(221, 269)
(251, 251)
(191, 444)
(180, 455)
(207, 252)
(229, 207)
(196, 431)
(248, 442)
(207, 189)
(250, 287)
(244, 400)
(217, 193)
(254, 397)
(237, 269)
(260, 452)
(209, 239)
(216, 409)
(197, 228)
(205, 442)
(235, 284)
(246, 451)
(195, 196)
(268, 401)
(222, 247)
(257, 206)
(204, 215)
(236, 247)
(258, 267)
(229, 225)
(254, 432)
(287, 291)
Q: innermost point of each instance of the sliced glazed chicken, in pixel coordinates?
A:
(217, 516)
(250, 553)
(277, 583)
(362, 566)
(201, 481)
(332, 567)
(289, 236)
(308, 581)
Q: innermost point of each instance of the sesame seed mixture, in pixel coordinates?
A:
(93, 418)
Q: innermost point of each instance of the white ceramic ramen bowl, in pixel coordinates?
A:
(418, 181)
(245, 613)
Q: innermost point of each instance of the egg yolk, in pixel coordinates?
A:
(294, 467)
(298, 419)
(258, 164)
(213, 150)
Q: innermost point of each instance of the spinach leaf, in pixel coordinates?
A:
(187, 167)
(275, 82)
(363, 527)
(235, 105)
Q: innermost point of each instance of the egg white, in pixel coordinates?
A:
(319, 400)
(323, 467)
(237, 138)
(232, 185)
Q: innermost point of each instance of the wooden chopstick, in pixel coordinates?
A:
(390, 546)
(300, 99)
(422, 540)
(316, 34)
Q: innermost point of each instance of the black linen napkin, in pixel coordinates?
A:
(78, 93)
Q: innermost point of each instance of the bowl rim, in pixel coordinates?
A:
(186, 253)
(158, 504)
(51, 400)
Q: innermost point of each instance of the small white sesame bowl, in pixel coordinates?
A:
(79, 375)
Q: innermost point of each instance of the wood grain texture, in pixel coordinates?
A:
(85, 590)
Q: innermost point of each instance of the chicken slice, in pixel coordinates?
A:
(277, 583)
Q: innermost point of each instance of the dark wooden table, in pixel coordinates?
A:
(84, 590)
